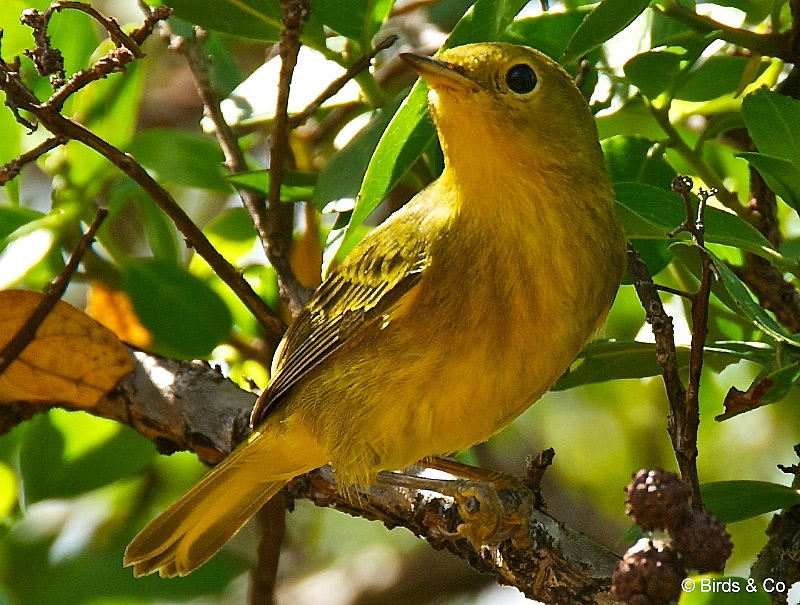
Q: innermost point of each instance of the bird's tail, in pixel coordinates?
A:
(194, 528)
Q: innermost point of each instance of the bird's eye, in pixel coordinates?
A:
(521, 79)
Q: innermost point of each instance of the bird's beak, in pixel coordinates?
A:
(438, 73)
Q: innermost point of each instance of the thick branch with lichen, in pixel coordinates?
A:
(186, 405)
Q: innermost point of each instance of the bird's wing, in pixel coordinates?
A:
(374, 276)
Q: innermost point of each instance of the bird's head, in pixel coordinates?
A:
(504, 99)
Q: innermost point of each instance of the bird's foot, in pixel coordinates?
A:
(493, 506)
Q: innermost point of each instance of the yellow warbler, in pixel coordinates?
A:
(444, 323)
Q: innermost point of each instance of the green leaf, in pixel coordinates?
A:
(74, 34)
(605, 360)
(16, 37)
(110, 109)
(256, 19)
(775, 385)
(403, 141)
(663, 30)
(664, 210)
(359, 21)
(732, 501)
(181, 157)
(411, 130)
(485, 22)
(224, 71)
(49, 473)
(722, 590)
(717, 76)
(751, 308)
(381, 9)
(342, 176)
(606, 20)
(781, 176)
(232, 233)
(548, 32)
(162, 236)
(773, 121)
(349, 22)
(10, 133)
(686, 252)
(629, 159)
(12, 219)
(757, 352)
(295, 186)
(187, 318)
(653, 72)
(755, 10)
(721, 123)
(159, 229)
(633, 118)
(655, 254)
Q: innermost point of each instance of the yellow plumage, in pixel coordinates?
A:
(448, 320)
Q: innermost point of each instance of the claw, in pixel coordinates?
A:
(493, 512)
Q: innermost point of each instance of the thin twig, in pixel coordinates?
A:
(661, 323)
(114, 61)
(27, 332)
(675, 291)
(48, 60)
(666, 355)
(279, 235)
(119, 37)
(12, 169)
(584, 66)
(684, 418)
(195, 238)
(280, 217)
(360, 64)
(253, 202)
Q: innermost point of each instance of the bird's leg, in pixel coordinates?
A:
(493, 506)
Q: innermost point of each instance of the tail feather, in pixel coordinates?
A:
(195, 527)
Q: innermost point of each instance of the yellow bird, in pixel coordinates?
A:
(448, 320)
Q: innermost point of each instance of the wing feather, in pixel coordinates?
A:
(373, 277)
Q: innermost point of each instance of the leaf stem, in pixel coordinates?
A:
(694, 158)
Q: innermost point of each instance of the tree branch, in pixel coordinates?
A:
(358, 66)
(771, 45)
(780, 557)
(10, 170)
(190, 406)
(253, 202)
(661, 323)
(280, 217)
(684, 418)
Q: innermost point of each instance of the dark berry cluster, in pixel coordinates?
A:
(651, 571)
